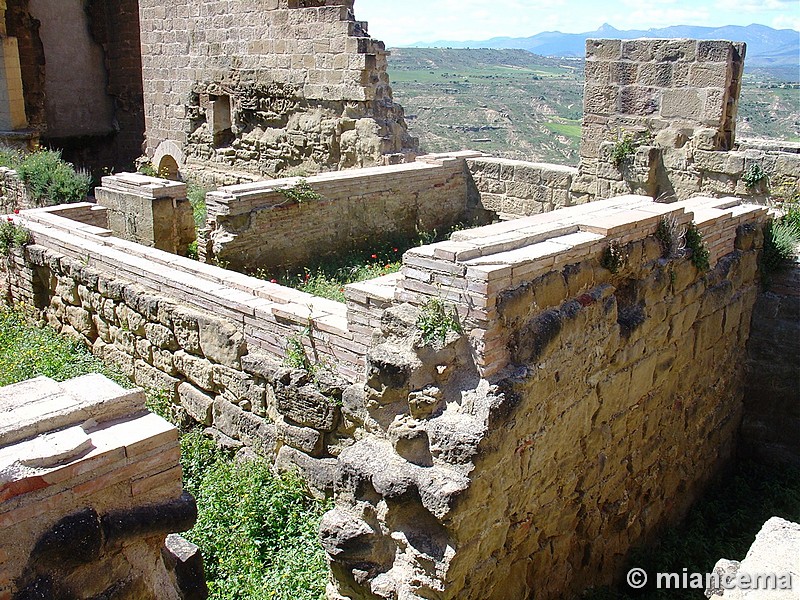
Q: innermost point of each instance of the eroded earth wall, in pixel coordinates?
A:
(262, 87)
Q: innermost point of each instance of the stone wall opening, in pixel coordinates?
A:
(168, 168)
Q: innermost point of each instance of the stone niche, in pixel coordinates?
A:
(90, 486)
(247, 88)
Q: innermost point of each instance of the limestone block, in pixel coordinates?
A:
(410, 440)
(319, 473)
(305, 439)
(254, 431)
(306, 406)
(198, 405)
(221, 342)
(197, 370)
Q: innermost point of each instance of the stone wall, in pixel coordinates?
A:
(13, 193)
(91, 486)
(253, 226)
(519, 188)
(581, 410)
(149, 211)
(264, 87)
(772, 389)
(677, 101)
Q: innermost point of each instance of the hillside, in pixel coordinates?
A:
(516, 104)
(765, 46)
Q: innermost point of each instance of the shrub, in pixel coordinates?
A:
(197, 198)
(781, 238)
(12, 236)
(624, 149)
(257, 531)
(300, 192)
(10, 157)
(51, 180)
(671, 237)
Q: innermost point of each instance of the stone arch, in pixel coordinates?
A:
(168, 167)
(170, 157)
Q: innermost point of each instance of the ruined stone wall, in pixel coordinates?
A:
(772, 389)
(266, 86)
(91, 486)
(519, 188)
(253, 226)
(13, 193)
(611, 398)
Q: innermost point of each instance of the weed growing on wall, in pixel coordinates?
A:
(197, 198)
(300, 192)
(436, 320)
(699, 251)
(754, 175)
(613, 257)
(296, 356)
(671, 236)
(51, 180)
(12, 236)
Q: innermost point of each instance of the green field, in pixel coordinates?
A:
(515, 104)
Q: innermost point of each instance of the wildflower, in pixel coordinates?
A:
(394, 249)
(374, 256)
(16, 211)
(273, 281)
(387, 266)
(10, 220)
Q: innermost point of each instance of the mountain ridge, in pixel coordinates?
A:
(765, 46)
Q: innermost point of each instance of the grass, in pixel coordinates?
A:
(723, 524)
(257, 531)
(28, 351)
(327, 277)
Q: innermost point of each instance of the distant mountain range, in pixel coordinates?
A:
(765, 46)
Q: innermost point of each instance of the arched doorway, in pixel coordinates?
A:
(168, 168)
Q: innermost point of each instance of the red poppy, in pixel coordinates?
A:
(16, 211)
(394, 249)
(374, 256)
(273, 281)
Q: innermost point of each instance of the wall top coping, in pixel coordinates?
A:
(40, 405)
(422, 163)
(524, 163)
(144, 185)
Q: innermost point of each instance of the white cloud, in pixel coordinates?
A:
(786, 22)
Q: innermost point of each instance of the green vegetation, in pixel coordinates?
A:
(436, 320)
(624, 149)
(296, 356)
(257, 531)
(12, 236)
(613, 257)
(723, 524)
(327, 276)
(671, 237)
(27, 351)
(300, 192)
(695, 243)
(781, 239)
(49, 179)
(197, 198)
(754, 175)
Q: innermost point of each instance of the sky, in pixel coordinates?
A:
(403, 22)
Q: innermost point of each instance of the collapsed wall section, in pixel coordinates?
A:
(261, 87)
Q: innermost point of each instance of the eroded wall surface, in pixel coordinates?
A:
(581, 410)
(262, 87)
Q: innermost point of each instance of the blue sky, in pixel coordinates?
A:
(399, 22)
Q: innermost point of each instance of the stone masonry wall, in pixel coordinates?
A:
(772, 389)
(254, 226)
(266, 86)
(519, 188)
(90, 488)
(679, 89)
(581, 411)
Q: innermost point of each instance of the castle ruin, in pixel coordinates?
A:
(594, 384)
